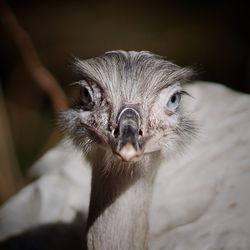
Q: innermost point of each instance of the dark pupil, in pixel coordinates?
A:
(174, 98)
(86, 100)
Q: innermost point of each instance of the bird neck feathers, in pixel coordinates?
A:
(120, 202)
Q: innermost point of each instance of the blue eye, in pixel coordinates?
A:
(174, 101)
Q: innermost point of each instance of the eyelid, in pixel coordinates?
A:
(85, 84)
(183, 92)
(81, 83)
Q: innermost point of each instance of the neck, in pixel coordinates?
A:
(119, 204)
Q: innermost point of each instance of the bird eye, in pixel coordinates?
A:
(174, 101)
(86, 98)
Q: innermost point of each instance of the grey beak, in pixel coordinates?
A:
(128, 147)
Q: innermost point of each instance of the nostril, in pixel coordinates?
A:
(140, 133)
(115, 132)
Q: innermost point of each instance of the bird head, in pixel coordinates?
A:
(129, 106)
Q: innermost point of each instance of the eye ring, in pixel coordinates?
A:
(174, 101)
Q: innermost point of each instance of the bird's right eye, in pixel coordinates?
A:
(174, 101)
(86, 98)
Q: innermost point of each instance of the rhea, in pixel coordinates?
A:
(127, 119)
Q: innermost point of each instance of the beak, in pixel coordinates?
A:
(128, 133)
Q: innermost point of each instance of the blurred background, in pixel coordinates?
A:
(212, 36)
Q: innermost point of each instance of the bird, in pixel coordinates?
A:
(128, 110)
(131, 126)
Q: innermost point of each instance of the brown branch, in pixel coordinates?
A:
(40, 75)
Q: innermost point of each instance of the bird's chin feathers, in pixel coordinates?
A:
(100, 154)
(106, 163)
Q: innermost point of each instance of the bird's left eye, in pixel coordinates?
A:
(86, 98)
(174, 101)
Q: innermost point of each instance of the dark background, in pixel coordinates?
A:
(212, 36)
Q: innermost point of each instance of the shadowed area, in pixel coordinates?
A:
(50, 237)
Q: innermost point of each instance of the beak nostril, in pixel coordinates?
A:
(115, 132)
(140, 133)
